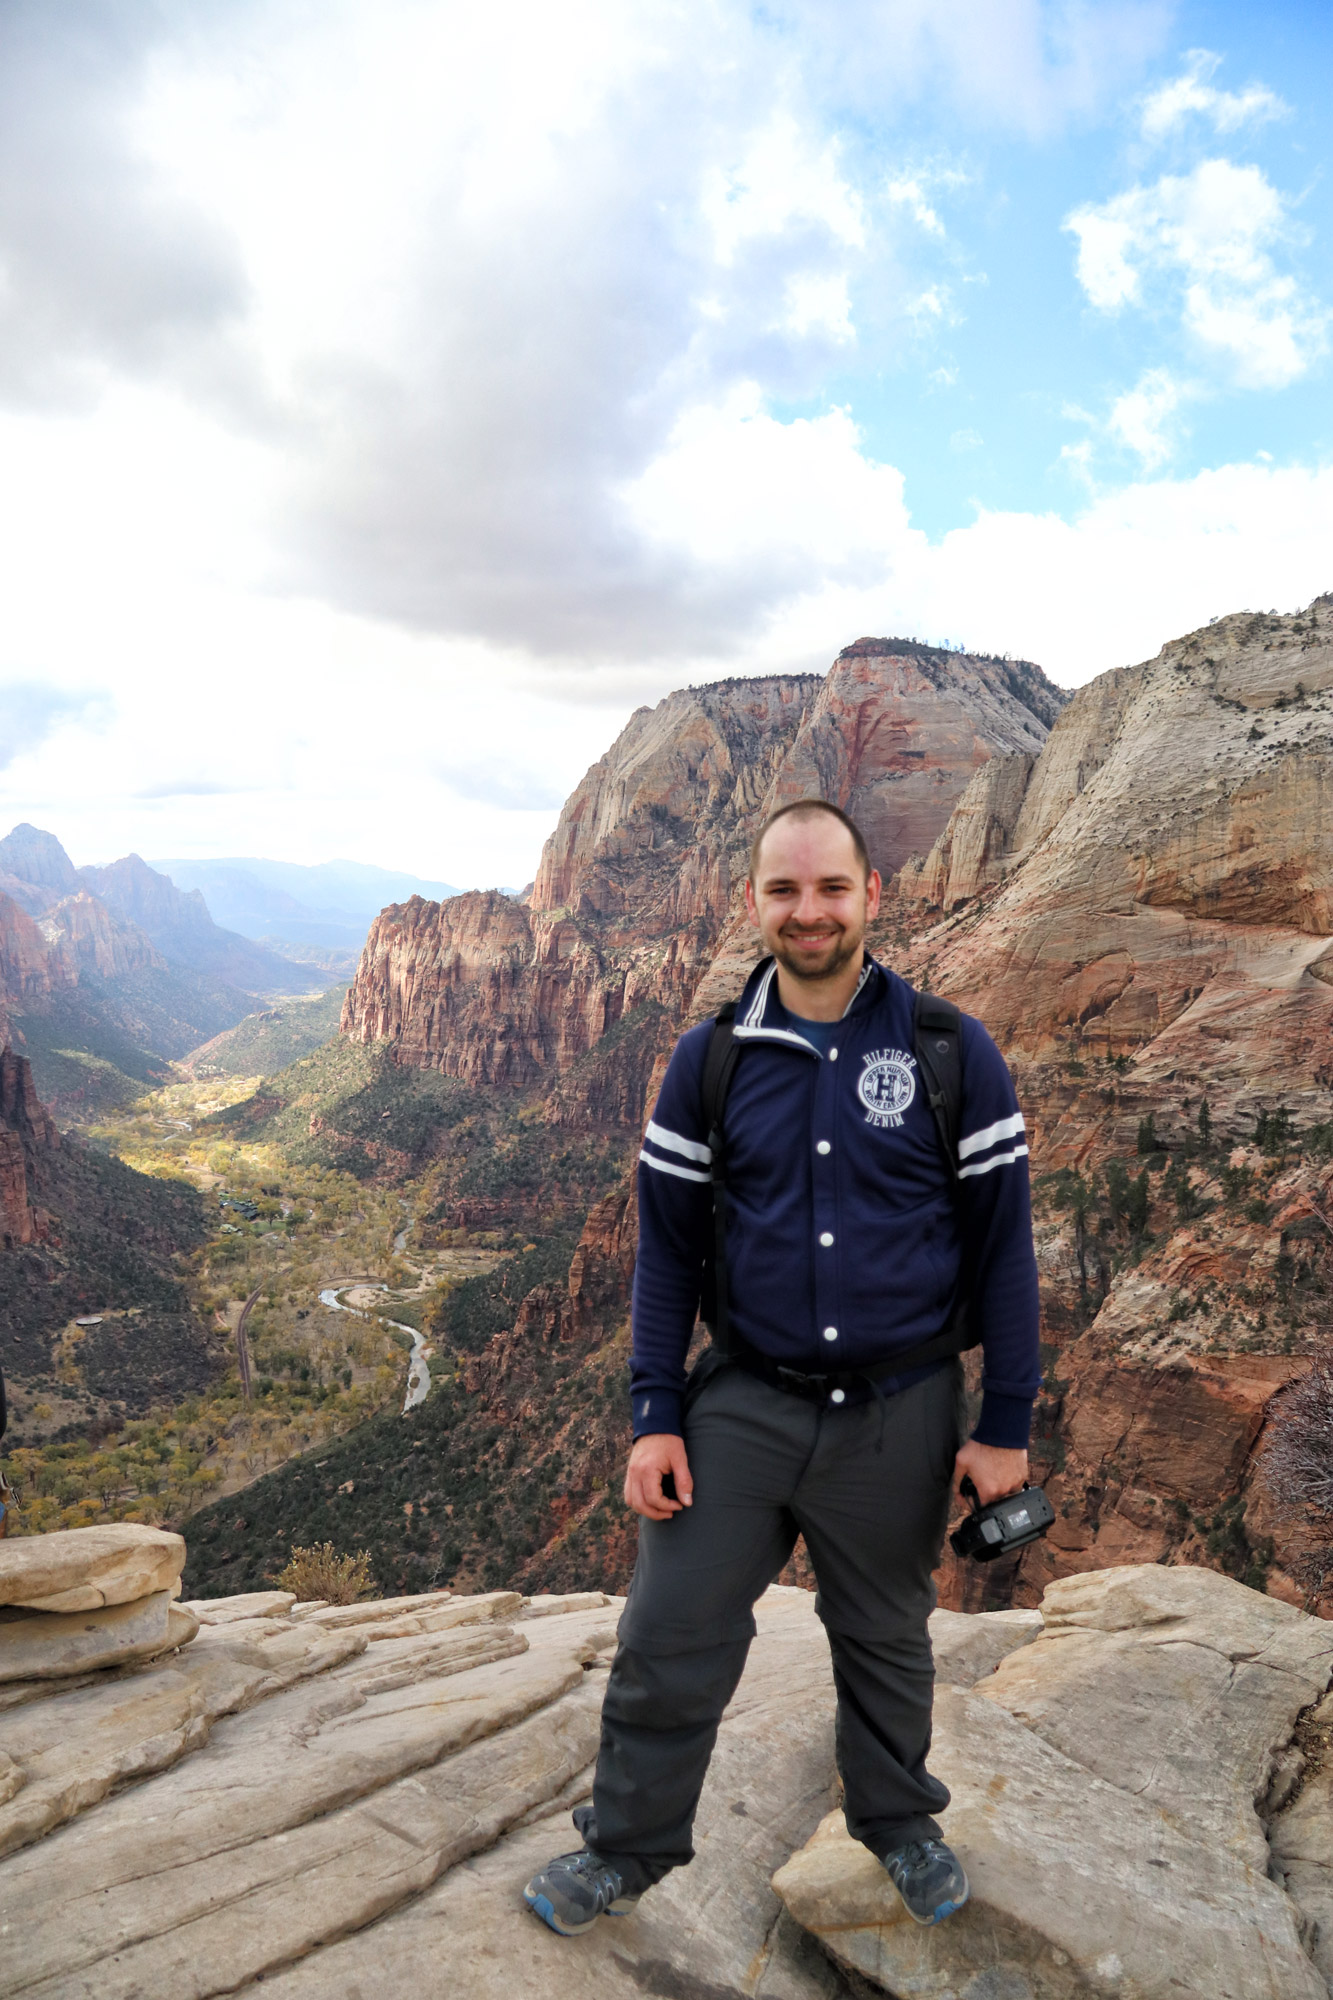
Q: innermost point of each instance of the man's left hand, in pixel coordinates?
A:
(994, 1472)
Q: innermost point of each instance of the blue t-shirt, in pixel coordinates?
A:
(821, 1033)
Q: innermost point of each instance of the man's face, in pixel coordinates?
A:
(809, 898)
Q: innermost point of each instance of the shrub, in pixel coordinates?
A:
(320, 1572)
(1299, 1461)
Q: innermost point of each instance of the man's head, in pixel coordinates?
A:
(811, 890)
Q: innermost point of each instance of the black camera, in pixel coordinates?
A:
(1003, 1525)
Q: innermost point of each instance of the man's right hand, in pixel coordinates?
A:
(651, 1461)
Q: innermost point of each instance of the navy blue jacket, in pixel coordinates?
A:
(846, 1234)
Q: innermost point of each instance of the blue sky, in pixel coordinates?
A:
(986, 409)
(393, 398)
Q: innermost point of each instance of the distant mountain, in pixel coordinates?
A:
(331, 904)
(181, 926)
(108, 973)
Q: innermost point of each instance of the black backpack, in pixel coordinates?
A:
(936, 1030)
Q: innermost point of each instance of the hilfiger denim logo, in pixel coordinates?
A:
(886, 1085)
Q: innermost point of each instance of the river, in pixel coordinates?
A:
(418, 1372)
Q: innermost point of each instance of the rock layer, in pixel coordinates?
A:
(82, 1569)
(1104, 1782)
(287, 1808)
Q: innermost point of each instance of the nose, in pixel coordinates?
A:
(809, 908)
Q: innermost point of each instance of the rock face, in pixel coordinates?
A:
(330, 1812)
(899, 730)
(1143, 921)
(971, 852)
(1104, 1786)
(53, 1645)
(582, 987)
(1169, 851)
(27, 1134)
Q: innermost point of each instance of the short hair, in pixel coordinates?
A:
(806, 809)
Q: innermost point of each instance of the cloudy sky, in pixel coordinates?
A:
(395, 395)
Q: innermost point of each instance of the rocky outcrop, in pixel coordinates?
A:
(899, 730)
(1169, 862)
(656, 833)
(89, 1597)
(84, 932)
(322, 1807)
(35, 869)
(1135, 1740)
(177, 922)
(474, 988)
(85, 1569)
(27, 1137)
(602, 1268)
(969, 855)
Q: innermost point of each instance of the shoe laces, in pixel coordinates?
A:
(920, 1854)
(594, 1871)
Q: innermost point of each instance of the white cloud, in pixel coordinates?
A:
(907, 192)
(785, 178)
(1141, 419)
(1201, 245)
(819, 302)
(1173, 104)
(415, 415)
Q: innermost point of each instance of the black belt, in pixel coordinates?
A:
(849, 1385)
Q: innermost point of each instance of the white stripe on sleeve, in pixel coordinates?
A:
(996, 1160)
(1003, 1128)
(671, 1142)
(683, 1173)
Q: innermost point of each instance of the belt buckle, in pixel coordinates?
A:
(808, 1386)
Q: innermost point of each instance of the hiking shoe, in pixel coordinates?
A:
(572, 1891)
(929, 1877)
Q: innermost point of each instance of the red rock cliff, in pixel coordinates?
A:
(26, 1135)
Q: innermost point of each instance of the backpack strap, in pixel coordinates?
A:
(937, 1032)
(719, 1068)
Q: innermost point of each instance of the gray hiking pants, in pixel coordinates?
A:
(868, 1487)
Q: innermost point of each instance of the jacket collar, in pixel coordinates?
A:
(761, 1016)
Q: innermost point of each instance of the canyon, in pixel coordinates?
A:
(1130, 887)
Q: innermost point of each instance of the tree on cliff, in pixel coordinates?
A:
(1300, 1462)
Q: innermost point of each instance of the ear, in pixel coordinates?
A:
(873, 887)
(751, 907)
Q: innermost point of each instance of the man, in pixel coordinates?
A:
(849, 1238)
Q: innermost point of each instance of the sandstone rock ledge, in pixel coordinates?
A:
(1108, 1782)
(345, 1804)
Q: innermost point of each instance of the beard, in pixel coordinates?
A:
(841, 949)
